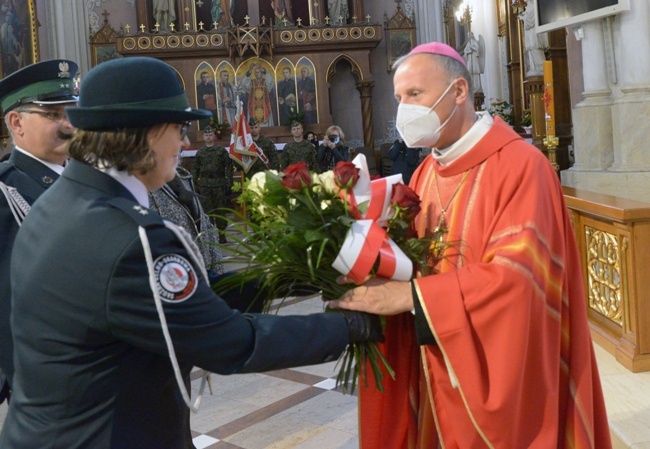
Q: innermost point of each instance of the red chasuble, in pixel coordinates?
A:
(514, 365)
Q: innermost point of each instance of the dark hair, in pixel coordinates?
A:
(124, 149)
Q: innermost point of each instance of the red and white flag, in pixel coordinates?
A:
(243, 149)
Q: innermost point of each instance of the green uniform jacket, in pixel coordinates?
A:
(270, 151)
(302, 151)
(92, 366)
(212, 167)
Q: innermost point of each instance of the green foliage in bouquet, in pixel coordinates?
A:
(297, 223)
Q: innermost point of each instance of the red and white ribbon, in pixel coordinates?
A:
(367, 239)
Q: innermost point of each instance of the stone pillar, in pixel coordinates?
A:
(630, 112)
(68, 26)
(592, 117)
(429, 21)
(365, 92)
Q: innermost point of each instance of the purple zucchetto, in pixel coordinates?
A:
(438, 48)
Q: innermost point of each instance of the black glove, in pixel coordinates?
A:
(363, 327)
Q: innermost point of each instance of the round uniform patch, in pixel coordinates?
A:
(175, 278)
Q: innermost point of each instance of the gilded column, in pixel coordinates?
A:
(365, 91)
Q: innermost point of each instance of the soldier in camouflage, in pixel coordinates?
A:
(212, 171)
(266, 146)
(299, 150)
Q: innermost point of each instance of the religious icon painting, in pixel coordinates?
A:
(285, 74)
(206, 94)
(306, 85)
(18, 31)
(226, 93)
(256, 79)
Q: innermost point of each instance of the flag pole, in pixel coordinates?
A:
(243, 208)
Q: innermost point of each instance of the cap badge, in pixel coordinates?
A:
(64, 68)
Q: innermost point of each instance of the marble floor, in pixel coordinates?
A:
(300, 408)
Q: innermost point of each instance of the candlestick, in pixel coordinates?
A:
(549, 99)
(551, 142)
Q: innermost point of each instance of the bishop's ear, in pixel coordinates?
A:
(461, 90)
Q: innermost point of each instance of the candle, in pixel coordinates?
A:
(549, 100)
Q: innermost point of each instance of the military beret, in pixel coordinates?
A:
(42, 83)
(253, 121)
(135, 92)
(208, 129)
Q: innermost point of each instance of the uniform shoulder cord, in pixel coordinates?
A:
(17, 204)
(193, 250)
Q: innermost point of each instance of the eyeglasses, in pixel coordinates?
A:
(55, 116)
(185, 126)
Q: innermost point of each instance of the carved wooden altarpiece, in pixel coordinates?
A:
(276, 67)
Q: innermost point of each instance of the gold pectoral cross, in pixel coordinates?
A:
(442, 228)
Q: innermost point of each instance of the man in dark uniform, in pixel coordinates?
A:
(111, 308)
(267, 147)
(299, 149)
(212, 171)
(33, 101)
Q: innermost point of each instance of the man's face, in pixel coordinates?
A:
(258, 72)
(224, 77)
(421, 82)
(286, 73)
(43, 131)
(205, 78)
(255, 131)
(304, 73)
(296, 132)
(208, 138)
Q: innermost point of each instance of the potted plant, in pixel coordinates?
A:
(501, 108)
(526, 122)
(219, 128)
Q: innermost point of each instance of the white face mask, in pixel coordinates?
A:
(420, 126)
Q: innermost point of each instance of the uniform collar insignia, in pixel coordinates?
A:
(141, 209)
(47, 180)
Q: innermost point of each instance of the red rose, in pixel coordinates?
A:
(346, 174)
(406, 199)
(296, 176)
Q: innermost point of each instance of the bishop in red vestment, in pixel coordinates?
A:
(493, 350)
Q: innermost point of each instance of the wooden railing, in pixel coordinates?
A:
(613, 236)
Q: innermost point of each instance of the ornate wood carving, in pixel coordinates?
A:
(196, 45)
(400, 36)
(102, 43)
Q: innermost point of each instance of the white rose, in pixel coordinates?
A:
(258, 183)
(326, 180)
